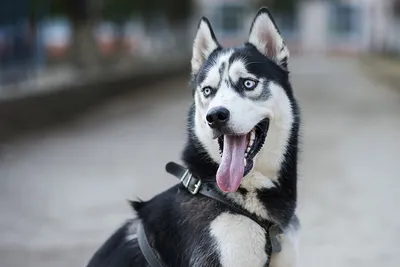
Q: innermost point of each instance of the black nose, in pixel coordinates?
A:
(217, 117)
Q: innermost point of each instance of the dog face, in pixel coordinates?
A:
(243, 111)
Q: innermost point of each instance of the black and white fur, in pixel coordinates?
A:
(196, 231)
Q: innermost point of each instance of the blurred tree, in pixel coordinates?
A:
(120, 10)
(280, 6)
(178, 10)
(78, 11)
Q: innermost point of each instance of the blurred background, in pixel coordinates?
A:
(93, 103)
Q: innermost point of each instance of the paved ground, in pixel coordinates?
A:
(63, 192)
(385, 68)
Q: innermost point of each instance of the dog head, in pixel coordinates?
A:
(243, 111)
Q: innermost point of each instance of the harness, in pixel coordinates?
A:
(206, 188)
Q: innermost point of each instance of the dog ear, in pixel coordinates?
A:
(204, 44)
(265, 36)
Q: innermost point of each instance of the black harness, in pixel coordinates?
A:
(208, 189)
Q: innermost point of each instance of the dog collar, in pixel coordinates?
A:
(207, 188)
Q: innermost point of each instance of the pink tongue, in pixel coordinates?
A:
(231, 170)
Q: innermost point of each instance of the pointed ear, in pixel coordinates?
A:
(265, 36)
(204, 44)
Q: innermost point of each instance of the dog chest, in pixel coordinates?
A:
(239, 241)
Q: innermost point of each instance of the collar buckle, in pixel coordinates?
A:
(186, 180)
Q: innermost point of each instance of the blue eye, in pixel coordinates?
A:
(207, 91)
(249, 84)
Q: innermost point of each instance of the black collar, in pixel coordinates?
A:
(208, 189)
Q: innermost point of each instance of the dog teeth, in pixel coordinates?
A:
(245, 162)
(251, 143)
(252, 136)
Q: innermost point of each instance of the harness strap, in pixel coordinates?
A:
(148, 252)
(208, 189)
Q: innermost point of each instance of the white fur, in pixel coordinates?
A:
(254, 180)
(240, 241)
(257, 181)
(269, 159)
(203, 46)
(205, 136)
(265, 37)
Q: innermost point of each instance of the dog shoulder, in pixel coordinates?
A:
(121, 249)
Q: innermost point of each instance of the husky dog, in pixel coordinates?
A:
(242, 136)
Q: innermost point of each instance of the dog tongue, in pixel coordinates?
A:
(231, 170)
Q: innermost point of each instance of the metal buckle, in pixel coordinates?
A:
(186, 179)
(196, 188)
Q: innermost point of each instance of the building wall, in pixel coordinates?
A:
(313, 26)
(373, 26)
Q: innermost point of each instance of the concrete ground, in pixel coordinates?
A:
(64, 191)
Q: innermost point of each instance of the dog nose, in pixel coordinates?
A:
(217, 117)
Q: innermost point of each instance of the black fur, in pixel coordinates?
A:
(177, 222)
(118, 251)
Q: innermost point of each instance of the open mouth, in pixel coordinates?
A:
(237, 155)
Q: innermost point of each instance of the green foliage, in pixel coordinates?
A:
(119, 10)
(177, 10)
(281, 6)
(51, 7)
(114, 10)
